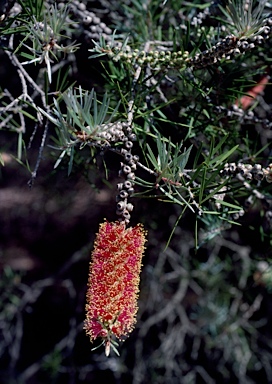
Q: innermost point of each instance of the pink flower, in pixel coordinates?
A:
(113, 283)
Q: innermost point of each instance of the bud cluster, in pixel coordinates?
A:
(125, 189)
(115, 132)
(155, 59)
(93, 26)
(245, 172)
(106, 134)
(248, 171)
(103, 137)
(240, 114)
(233, 111)
(200, 17)
(231, 46)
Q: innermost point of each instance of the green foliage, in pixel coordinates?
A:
(44, 30)
(149, 74)
(246, 20)
(83, 122)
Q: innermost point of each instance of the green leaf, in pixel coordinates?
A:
(219, 145)
(152, 157)
(230, 221)
(215, 191)
(70, 165)
(184, 158)
(221, 158)
(226, 204)
(57, 163)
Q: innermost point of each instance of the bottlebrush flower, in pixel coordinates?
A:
(113, 283)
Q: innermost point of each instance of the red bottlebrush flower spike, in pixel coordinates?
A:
(113, 284)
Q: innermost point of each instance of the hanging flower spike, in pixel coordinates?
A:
(113, 283)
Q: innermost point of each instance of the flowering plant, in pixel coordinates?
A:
(113, 283)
